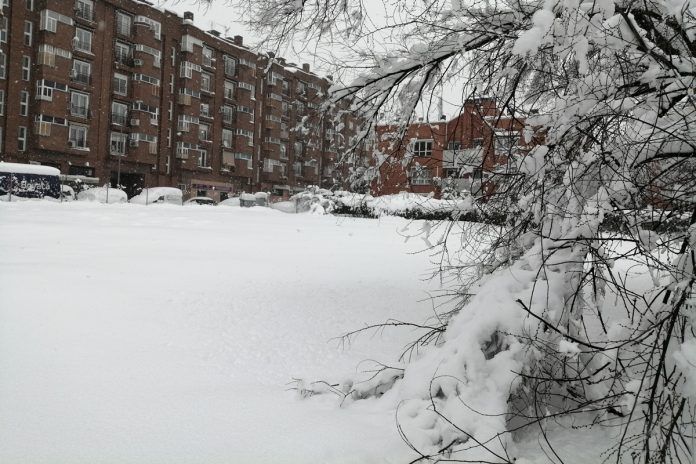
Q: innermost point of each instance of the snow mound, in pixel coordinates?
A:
(103, 195)
(158, 195)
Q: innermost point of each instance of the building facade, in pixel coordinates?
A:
(120, 91)
(469, 152)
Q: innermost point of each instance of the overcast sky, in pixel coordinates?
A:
(222, 17)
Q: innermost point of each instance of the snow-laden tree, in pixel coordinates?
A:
(581, 313)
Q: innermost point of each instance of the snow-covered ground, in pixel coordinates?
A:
(168, 334)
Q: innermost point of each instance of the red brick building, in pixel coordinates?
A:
(123, 92)
(466, 152)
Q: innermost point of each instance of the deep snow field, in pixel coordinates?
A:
(166, 334)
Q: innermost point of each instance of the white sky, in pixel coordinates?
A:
(223, 17)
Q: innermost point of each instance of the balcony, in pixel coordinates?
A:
(79, 111)
(81, 78)
(119, 118)
(125, 60)
(84, 13)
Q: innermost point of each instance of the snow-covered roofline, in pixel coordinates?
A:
(19, 168)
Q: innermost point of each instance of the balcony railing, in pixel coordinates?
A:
(119, 118)
(124, 59)
(80, 111)
(81, 78)
(84, 12)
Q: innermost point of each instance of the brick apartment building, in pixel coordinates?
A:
(466, 152)
(121, 91)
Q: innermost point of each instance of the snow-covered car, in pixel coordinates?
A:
(103, 195)
(169, 195)
(234, 201)
(200, 201)
(247, 200)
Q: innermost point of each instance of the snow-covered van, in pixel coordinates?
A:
(28, 181)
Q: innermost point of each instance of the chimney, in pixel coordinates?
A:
(271, 54)
(238, 40)
(305, 67)
(281, 61)
(188, 16)
(443, 117)
(329, 77)
(214, 32)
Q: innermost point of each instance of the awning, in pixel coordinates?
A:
(281, 187)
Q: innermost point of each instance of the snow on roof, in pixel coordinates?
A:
(19, 168)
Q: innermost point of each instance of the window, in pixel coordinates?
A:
(476, 143)
(117, 143)
(22, 138)
(120, 84)
(26, 68)
(203, 132)
(208, 57)
(423, 148)
(203, 160)
(123, 23)
(244, 157)
(78, 136)
(30, 5)
(3, 65)
(2, 102)
(50, 20)
(119, 113)
(82, 40)
(421, 176)
(155, 26)
(230, 66)
(28, 33)
(301, 88)
(297, 169)
(44, 91)
(227, 138)
(206, 82)
(23, 103)
(228, 114)
(246, 86)
(79, 104)
(3, 29)
(123, 53)
(81, 71)
(205, 110)
(283, 151)
(229, 90)
(84, 9)
(186, 69)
